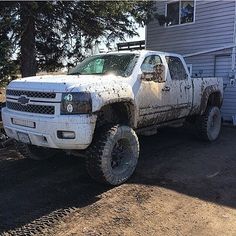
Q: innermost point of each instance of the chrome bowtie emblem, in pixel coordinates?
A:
(23, 100)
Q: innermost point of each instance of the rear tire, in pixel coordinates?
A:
(34, 152)
(209, 124)
(113, 155)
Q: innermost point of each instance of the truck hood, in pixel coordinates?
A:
(104, 89)
(69, 83)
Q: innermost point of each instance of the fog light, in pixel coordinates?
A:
(66, 134)
(70, 108)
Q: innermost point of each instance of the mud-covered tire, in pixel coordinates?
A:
(34, 152)
(3, 136)
(113, 155)
(209, 124)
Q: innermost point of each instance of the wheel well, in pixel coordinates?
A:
(215, 99)
(121, 112)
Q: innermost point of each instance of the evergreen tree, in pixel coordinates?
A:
(41, 35)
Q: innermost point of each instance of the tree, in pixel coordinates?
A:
(7, 64)
(44, 34)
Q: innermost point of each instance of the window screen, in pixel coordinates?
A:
(187, 11)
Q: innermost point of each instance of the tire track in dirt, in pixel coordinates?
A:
(175, 189)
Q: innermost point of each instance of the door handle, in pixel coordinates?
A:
(188, 87)
(166, 89)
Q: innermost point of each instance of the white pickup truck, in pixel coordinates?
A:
(103, 103)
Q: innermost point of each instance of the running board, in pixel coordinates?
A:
(151, 130)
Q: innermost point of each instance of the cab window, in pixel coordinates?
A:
(176, 68)
(149, 62)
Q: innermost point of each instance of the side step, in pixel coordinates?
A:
(151, 130)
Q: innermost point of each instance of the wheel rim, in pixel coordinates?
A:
(121, 156)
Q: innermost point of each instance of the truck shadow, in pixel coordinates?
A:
(177, 160)
(172, 159)
(31, 189)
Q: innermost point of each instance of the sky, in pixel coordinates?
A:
(141, 32)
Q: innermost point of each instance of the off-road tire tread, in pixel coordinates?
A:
(94, 153)
(24, 151)
(202, 124)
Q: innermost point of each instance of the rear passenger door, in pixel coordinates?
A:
(180, 85)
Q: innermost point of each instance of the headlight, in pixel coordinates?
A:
(76, 103)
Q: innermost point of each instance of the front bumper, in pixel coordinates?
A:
(45, 132)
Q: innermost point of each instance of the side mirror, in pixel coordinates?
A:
(157, 75)
(147, 76)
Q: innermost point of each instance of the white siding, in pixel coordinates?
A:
(205, 63)
(213, 28)
(229, 104)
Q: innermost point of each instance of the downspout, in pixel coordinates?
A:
(234, 42)
(232, 76)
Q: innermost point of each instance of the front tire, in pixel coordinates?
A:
(34, 152)
(113, 155)
(210, 124)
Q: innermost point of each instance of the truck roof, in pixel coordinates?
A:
(141, 52)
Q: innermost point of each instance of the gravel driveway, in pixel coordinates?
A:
(182, 186)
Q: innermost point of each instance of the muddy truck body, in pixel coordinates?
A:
(98, 109)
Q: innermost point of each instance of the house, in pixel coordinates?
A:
(204, 32)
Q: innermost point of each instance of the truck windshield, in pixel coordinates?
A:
(119, 64)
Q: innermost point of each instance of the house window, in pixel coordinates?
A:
(180, 12)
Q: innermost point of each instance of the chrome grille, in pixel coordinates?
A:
(38, 109)
(32, 94)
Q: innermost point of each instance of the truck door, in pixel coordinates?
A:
(152, 101)
(180, 84)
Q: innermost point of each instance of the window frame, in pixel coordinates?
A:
(179, 1)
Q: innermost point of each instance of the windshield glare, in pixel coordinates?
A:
(118, 64)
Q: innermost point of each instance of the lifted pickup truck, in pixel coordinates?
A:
(103, 103)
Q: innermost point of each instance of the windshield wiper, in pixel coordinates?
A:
(75, 73)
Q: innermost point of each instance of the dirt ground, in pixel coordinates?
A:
(182, 186)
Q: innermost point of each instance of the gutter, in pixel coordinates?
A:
(213, 49)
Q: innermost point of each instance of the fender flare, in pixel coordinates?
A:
(205, 97)
(132, 108)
